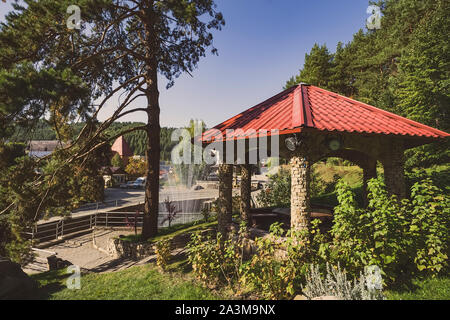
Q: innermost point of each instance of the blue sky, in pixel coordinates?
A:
(262, 45)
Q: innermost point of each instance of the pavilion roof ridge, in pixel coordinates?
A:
(304, 106)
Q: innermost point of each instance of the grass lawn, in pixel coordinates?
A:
(147, 283)
(136, 283)
(351, 174)
(426, 289)
(330, 199)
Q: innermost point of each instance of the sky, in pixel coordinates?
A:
(261, 46)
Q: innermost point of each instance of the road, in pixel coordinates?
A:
(174, 193)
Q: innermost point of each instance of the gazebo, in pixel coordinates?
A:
(311, 124)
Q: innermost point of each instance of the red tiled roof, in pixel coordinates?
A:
(305, 106)
(121, 147)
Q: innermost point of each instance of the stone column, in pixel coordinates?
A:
(300, 193)
(225, 197)
(394, 172)
(369, 172)
(246, 189)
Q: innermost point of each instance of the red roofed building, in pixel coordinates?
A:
(305, 107)
(312, 124)
(122, 148)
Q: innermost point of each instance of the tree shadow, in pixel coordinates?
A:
(45, 292)
(404, 284)
(180, 263)
(53, 282)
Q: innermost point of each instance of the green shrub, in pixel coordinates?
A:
(278, 191)
(429, 227)
(204, 257)
(163, 253)
(271, 271)
(217, 261)
(440, 176)
(403, 239)
(279, 266)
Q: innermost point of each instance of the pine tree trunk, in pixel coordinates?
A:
(151, 207)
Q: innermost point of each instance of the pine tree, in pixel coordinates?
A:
(317, 69)
(341, 80)
(423, 82)
(121, 48)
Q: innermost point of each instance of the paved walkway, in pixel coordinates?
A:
(81, 252)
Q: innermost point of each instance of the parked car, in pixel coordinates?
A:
(163, 176)
(139, 183)
(127, 185)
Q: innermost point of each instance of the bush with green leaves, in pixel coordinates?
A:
(278, 191)
(203, 255)
(372, 236)
(163, 253)
(429, 227)
(218, 260)
(402, 238)
(439, 175)
(270, 271)
(282, 260)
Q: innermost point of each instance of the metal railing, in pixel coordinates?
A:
(106, 204)
(69, 227)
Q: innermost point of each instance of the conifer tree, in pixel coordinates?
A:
(317, 69)
(120, 48)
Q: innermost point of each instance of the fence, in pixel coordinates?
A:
(69, 227)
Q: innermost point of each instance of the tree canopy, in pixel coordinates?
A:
(69, 75)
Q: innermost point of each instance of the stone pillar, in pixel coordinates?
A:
(246, 189)
(394, 172)
(369, 172)
(300, 193)
(225, 197)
